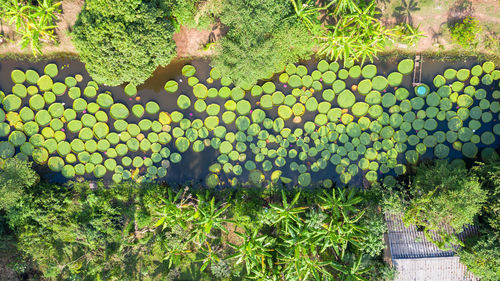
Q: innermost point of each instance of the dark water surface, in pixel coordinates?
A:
(194, 165)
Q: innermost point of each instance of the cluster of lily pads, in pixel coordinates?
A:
(303, 122)
(76, 138)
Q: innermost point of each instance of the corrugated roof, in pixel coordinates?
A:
(408, 242)
(432, 269)
(418, 259)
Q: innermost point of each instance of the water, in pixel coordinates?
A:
(194, 166)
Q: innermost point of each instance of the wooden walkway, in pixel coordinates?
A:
(417, 71)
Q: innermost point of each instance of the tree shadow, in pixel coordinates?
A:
(459, 11)
(384, 2)
(403, 13)
(436, 35)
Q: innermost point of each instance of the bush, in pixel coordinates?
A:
(15, 176)
(261, 39)
(439, 196)
(124, 42)
(464, 32)
(481, 254)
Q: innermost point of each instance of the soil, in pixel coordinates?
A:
(433, 17)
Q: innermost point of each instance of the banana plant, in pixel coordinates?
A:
(288, 214)
(356, 36)
(209, 256)
(344, 6)
(254, 251)
(177, 209)
(208, 216)
(33, 22)
(299, 255)
(308, 12)
(408, 34)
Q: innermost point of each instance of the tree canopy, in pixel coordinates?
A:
(261, 40)
(125, 42)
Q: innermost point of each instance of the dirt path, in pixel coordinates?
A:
(433, 17)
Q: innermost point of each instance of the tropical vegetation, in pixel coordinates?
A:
(34, 21)
(150, 231)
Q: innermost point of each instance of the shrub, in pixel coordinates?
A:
(464, 32)
(481, 254)
(119, 47)
(442, 196)
(15, 176)
(261, 40)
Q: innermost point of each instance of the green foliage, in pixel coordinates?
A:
(355, 36)
(442, 196)
(481, 254)
(193, 13)
(149, 232)
(35, 23)
(465, 32)
(261, 39)
(15, 176)
(125, 47)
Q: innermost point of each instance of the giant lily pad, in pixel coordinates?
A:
(346, 99)
(118, 111)
(406, 66)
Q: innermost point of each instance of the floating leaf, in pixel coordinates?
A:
(118, 111)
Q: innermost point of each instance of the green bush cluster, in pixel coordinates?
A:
(261, 40)
(129, 232)
(481, 254)
(439, 196)
(123, 41)
(466, 31)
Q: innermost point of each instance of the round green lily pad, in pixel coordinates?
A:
(51, 70)
(171, 86)
(469, 150)
(11, 103)
(379, 83)
(346, 99)
(105, 100)
(365, 86)
(395, 79)
(45, 83)
(488, 66)
(151, 107)
(405, 66)
(19, 90)
(188, 70)
(118, 111)
(488, 138)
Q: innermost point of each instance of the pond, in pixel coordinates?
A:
(313, 123)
